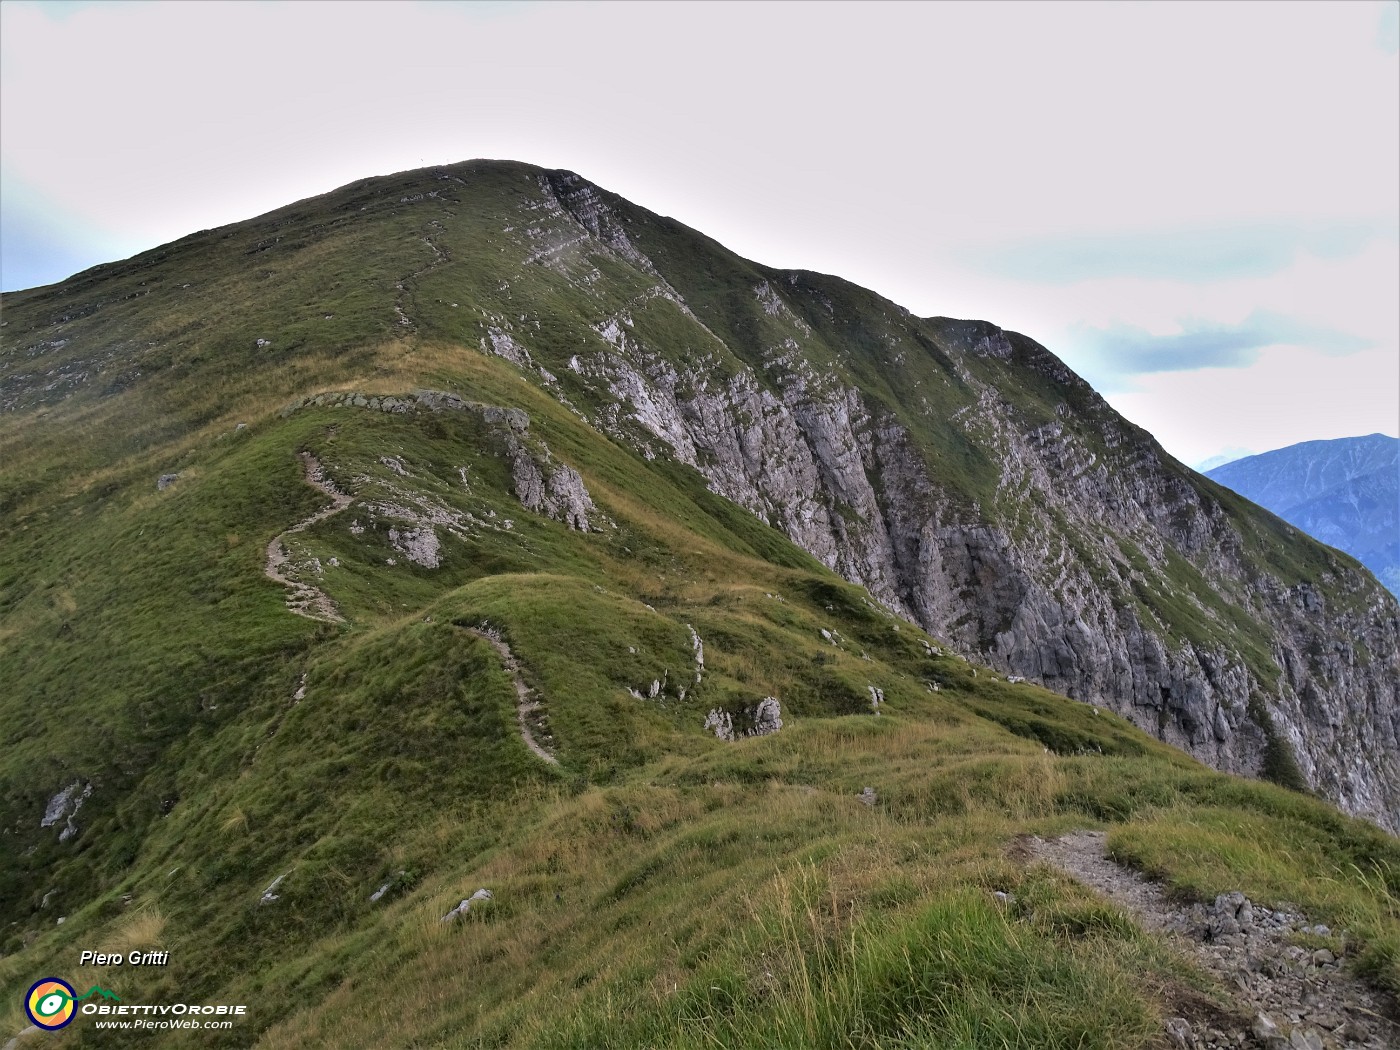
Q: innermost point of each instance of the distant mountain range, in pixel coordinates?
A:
(1345, 493)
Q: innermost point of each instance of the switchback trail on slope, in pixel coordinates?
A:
(305, 599)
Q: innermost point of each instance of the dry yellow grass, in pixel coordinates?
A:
(142, 929)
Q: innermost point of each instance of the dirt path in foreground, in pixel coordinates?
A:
(304, 599)
(1288, 998)
(527, 708)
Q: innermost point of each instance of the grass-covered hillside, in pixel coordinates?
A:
(290, 804)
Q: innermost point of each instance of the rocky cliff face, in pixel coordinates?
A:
(849, 487)
(1094, 564)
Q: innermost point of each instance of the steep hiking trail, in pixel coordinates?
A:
(1283, 996)
(528, 710)
(441, 257)
(305, 599)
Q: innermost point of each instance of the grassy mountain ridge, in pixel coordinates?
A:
(659, 886)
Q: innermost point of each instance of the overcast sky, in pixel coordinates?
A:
(1195, 205)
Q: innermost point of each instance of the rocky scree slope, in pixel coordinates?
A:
(961, 473)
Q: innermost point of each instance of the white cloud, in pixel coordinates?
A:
(1291, 395)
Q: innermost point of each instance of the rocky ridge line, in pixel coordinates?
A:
(542, 484)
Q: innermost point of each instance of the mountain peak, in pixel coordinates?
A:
(474, 563)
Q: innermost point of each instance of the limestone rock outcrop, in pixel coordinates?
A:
(1089, 561)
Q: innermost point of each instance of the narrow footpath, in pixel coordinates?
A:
(1285, 996)
(303, 598)
(528, 709)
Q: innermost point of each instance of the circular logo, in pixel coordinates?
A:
(49, 1003)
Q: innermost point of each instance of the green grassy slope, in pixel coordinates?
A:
(658, 886)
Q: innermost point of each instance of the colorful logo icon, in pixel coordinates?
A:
(49, 1003)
